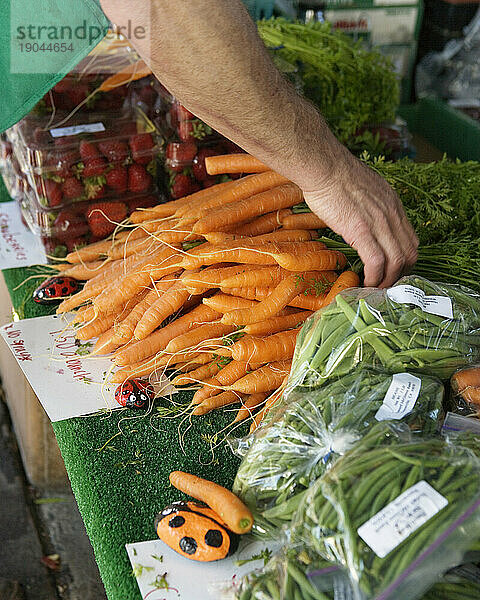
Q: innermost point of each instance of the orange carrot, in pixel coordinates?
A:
(124, 329)
(84, 271)
(139, 246)
(157, 340)
(230, 509)
(223, 303)
(79, 298)
(264, 224)
(112, 270)
(308, 300)
(96, 327)
(218, 401)
(100, 248)
(167, 304)
(239, 190)
(278, 298)
(269, 404)
(270, 276)
(277, 324)
(279, 346)
(282, 196)
(263, 379)
(238, 255)
(348, 279)
(131, 72)
(249, 403)
(210, 334)
(303, 221)
(169, 209)
(232, 240)
(200, 374)
(229, 374)
(322, 260)
(105, 343)
(234, 163)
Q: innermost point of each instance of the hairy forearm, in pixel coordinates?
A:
(209, 55)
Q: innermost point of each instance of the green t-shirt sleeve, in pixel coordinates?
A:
(41, 41)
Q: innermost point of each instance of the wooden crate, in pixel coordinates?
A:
(39, 449)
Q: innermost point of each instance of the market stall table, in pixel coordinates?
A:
(118, 463)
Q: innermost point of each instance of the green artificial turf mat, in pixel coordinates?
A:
(120, 489)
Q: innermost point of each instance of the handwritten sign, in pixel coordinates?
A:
(166, 575)
(19, 247)
(67, 382)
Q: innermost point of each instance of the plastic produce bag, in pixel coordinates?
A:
(414, 326)
(397, 516)
(307, 433)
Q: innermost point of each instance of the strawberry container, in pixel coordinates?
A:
(190, 141)
(65, 228)
(95, 157)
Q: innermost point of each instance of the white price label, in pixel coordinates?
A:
(77, 129)
(400, 398)
(401, 517)
(435, 305)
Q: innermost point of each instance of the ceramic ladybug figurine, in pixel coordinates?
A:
(55, 288)
(195, 531)
(134, 393)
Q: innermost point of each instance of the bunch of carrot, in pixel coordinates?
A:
(214, 285)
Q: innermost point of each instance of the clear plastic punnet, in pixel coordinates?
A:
(397, 516)
(311, 429)
(414, 326)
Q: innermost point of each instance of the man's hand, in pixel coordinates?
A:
(208, 53)
(361, 206)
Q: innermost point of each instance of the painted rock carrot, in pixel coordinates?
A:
(234, 163)
(229, 507)
(282, 196)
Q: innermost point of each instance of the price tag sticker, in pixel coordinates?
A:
(400, 398)
(435, 305)
(401, 517)
(77, 129)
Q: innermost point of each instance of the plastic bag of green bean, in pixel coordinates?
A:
(396, 516)
(304, 435)
(414, 326)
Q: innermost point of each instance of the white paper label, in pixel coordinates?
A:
(435, 305)
(400, 398)
(190, 579)
(401, 517)
(19, 247)
(76, 129)
(66, 381)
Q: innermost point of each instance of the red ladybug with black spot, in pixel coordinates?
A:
(195, 531)
(134, 393)
(55, 289)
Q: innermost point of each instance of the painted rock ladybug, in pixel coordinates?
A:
(195, 531)
(55, 288)
(134, 393)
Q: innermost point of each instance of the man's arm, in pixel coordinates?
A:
(209, 55)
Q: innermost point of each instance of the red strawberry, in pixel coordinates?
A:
(52, 190)
(141, 202)
(141, 146)
(88, 151)
(69, 225)
(65, 161)
(185, 131)
(183, 185)
(42, 136)
(113, 150)
(180, 155)
(103, 217)
(183, 113)
(78, 93)
(94, 167)
(72, 188)
(97, 192)
(117, 179)
(139, 180)
(199, 168)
